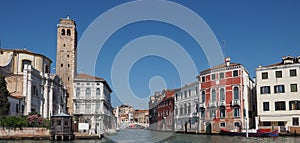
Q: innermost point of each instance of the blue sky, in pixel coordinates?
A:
(256, 33)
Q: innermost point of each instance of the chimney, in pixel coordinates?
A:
(298, 58)
(227, 61)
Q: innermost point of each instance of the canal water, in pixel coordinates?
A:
(146, 136)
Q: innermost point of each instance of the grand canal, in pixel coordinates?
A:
(146, 136)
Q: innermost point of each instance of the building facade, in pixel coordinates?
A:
(31, 86)
(124, 115)
(66, 56)
(92, 103)
(153, 113)
(141, 116)
(226, 98)
(278, 101)
(186, 107)
(161, 110)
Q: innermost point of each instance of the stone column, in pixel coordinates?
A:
(27, 74)
(46, 97)
(51, 99)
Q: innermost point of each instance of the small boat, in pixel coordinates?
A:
(250, 134)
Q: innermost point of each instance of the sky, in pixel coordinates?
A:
(252, 33)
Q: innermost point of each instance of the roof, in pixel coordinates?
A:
(25, 51)
(293, 60)
(219, 67)
(86, 77)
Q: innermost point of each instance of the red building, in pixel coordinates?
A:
(162, 110)
(226, 98)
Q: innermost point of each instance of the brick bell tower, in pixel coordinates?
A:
(66, 56)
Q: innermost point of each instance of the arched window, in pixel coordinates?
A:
(236, 93)
(63, 32)
(98, 92)
(88, 93)
(213, 95)
(176, 111)
(203, 97)
(69, 32)
(222, 94)
(77, 92)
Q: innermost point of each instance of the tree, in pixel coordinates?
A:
(4, 104)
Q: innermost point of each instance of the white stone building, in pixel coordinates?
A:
(31, 86)
(186, 107)
(278, 100)
(92, 103)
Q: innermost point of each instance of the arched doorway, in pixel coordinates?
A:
(208, 127)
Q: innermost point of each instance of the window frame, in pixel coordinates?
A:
(277, 75)
(266, 75)
(279, 88)
(291, 87)
(279, 107)
(293, 70)
(268, 106)
(235, 73)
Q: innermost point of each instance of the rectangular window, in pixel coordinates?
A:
(222, 112)
(213, 76)
(294, 105)
(266, 123)
(236, 124)
(293, 73)
(202, 111)
(280, 106)
(294, 88)
(203, 79)
(221, 75)
(296, 121)
(279, 89)
(235, 73)
(17, 108)
(190, 93)
(265, 90)
(212, 113)
(281, 123)
(236, 112)
(196, 89)
(264, 75)
(266, 106)
(222, 124)
(278, 74)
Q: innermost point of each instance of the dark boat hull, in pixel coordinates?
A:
(258, 134)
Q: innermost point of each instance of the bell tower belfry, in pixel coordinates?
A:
(66, 56)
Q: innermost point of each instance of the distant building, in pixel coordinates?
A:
(124, 115)
(92, 103)
(153, 113)
(161, 110)
(278, 100)
(227, 99)
(141, 116)
(31, 86)
(186, 107)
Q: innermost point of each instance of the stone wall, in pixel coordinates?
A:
(24, 133)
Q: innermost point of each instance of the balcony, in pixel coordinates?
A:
(236, 102)
(202, 105)
(212, 104)
(222, 103)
